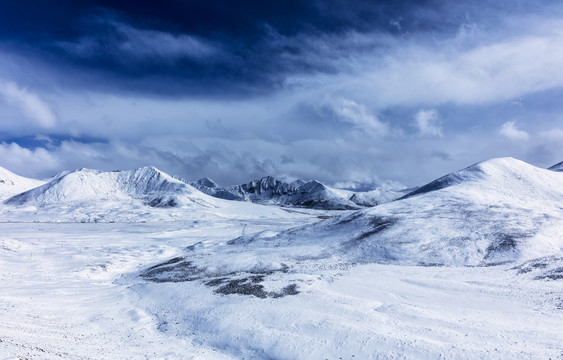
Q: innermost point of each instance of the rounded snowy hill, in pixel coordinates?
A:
(12, 184)
(496, 211)
(148, 185)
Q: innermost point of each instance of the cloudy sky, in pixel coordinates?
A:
(352, 93)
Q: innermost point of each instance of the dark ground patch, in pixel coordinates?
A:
(243, 283)
(174, 270)
(555, 274)
(252, 286)
(430, 264)
(376, 225)
(545, 268)
(503, 243)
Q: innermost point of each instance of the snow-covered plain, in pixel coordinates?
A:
(469, 267)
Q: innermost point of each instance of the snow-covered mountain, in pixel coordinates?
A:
(557, 167)
(266, 189)
(491, 212)
(317, 195)
(148, 185)
(12, 184)
(142, 195)
(312, 194)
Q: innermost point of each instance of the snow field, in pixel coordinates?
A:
(72, 291)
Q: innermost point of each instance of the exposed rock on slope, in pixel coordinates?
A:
(312, 194)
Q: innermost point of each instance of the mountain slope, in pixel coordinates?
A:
(495, 211)
(12, 184)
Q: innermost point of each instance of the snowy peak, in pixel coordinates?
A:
(82, 184)
(313, 186)
(557, 167)
(490, 173)
(148, 185)
(317, 195)
(265, 190)
(149, 180)
(268, 186)
(207, 182)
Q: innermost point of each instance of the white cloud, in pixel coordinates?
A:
(28, 162)
(485, 74)
(30, 103)
(428, 123)
(509, 130)
(358, 115)
(418, 71)
(553, 134)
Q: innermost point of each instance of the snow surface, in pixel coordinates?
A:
(72, 291)
(205, 278)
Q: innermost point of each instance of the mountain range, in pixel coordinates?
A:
(312, 194)
(496, 211)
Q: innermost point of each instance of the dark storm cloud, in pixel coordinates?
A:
(211, 47)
